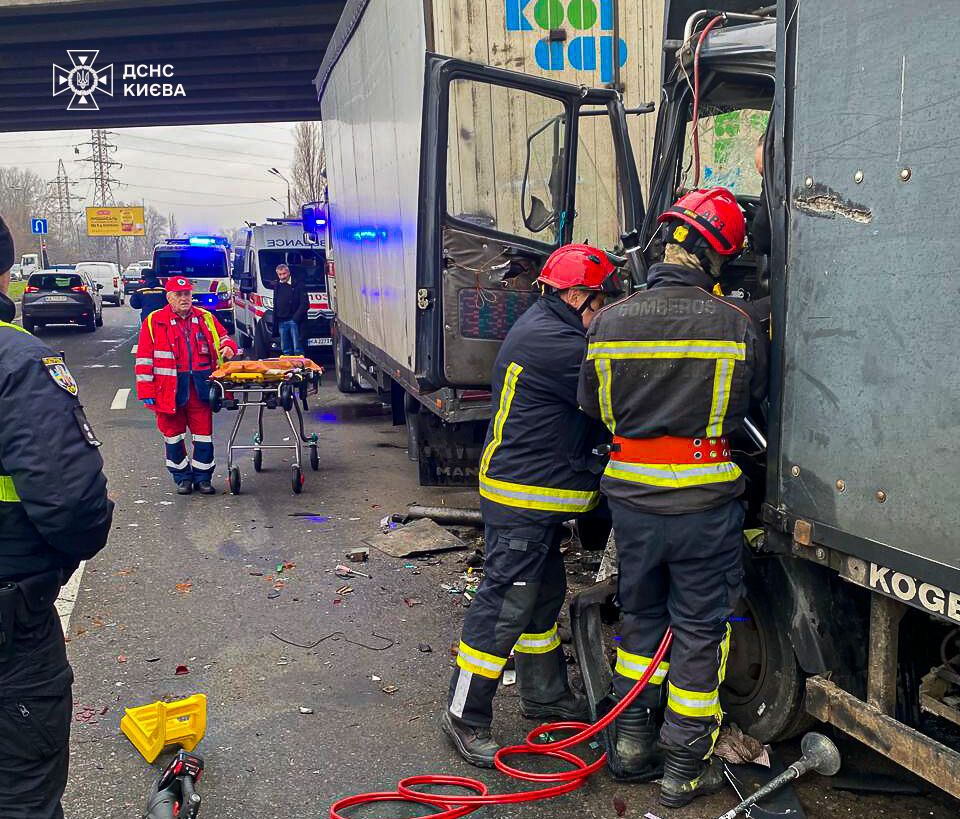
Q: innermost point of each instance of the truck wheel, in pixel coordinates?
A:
(764, 687)
(341, 365)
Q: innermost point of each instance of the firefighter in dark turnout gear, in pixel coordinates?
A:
(150, 297)
(537, 471)
(672, 370)
(54, 512)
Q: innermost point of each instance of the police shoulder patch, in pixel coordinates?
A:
(61, 375)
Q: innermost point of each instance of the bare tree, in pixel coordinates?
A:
(23, 195)
(309, 163)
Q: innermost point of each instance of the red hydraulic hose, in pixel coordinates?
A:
(695, 119)
(454, 806)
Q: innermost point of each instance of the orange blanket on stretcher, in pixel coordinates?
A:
(268, 369)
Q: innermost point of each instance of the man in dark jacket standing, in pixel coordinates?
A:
(290, 307)
(537, 471)
(672, 371)
(54, 513)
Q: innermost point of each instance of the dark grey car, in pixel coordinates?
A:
(61, 297)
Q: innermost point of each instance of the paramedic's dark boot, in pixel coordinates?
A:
(185, 488)
(205, 488)
(474, 744)
(686, 776)
(639, 755)
(544, 690)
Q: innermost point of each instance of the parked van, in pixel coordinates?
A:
(106, 274)
(279, 241)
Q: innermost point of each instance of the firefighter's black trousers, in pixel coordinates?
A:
(515, 609)
(684, 571)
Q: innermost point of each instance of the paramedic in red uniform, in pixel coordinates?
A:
(179, 346)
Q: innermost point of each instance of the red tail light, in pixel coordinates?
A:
(116, 282)
(80, 288)
(32, 289)
(331, 269)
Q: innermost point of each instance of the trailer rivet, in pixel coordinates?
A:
(821, 554)
(841, 485)
(858, 177)
(795, 471)
(808, 181)
(881, 496)
(905, 175)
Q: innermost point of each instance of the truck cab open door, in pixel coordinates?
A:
(512, 167)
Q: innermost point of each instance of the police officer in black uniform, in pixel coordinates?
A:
(54, 512)
(537, 471)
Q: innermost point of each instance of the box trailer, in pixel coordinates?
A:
(464, 142)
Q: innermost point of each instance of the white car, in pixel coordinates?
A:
(108, 275)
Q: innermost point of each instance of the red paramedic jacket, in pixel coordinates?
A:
(165, 363)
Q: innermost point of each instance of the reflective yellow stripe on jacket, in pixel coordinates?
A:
(8, 492)
(672, 476)
(525, 496)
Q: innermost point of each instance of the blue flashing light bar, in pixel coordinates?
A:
(208, 241)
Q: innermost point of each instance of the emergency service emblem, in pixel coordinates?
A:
(61, 376)
(82, 80)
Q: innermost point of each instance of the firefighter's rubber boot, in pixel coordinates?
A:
(544, 690)
(640, 757)
(686, 776)
(571, 706)
(204, 488)
(473, 743)
(185, 488)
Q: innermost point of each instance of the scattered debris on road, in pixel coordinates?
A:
(360, 555)
(420, 537)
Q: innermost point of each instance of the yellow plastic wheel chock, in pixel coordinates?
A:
(152, 727)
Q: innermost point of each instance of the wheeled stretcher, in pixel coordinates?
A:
(268, 384)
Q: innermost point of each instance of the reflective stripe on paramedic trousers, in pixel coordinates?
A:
(542, 643)
(479, 662)
(522, 495)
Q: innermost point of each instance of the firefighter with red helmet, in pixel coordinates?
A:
(672, 371)
(537, 470)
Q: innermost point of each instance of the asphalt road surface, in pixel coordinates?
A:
(190, 581)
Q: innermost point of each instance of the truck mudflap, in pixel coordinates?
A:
(588, 611)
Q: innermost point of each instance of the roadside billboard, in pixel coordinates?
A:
(115, 221)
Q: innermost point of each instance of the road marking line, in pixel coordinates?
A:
(67, 598)
(120, 399)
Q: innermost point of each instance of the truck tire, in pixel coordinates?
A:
(764, 687)
(346, 383)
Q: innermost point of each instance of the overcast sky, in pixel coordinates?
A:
(208, 176)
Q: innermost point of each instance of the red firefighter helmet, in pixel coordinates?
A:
(583, 267)
(715, 214)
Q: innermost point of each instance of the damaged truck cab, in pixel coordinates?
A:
(853, 499)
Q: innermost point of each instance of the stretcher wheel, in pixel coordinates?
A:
(286, 397)
(314, 458)
(297, 482)
(258, 460)
(216, 402)
(234, 480)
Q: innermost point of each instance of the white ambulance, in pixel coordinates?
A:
(279, 241)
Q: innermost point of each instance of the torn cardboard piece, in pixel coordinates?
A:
(419, 537)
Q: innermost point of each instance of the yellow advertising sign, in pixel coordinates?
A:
(115, 222)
